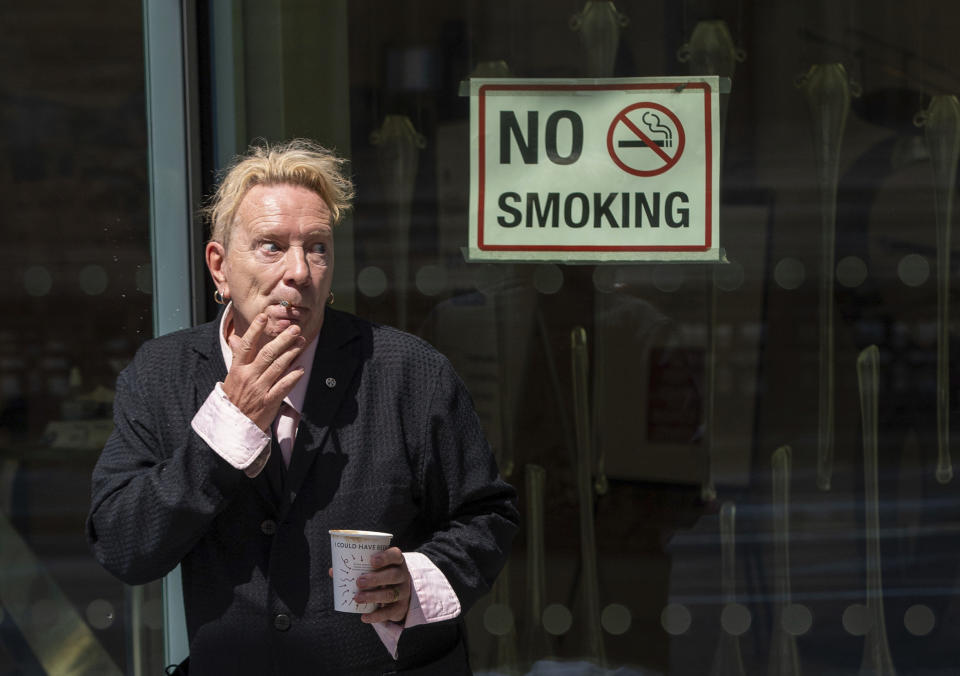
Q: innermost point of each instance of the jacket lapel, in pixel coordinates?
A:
(333, 371)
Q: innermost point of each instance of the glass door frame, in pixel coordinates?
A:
(175, 234)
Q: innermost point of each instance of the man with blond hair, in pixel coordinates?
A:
(240, 443)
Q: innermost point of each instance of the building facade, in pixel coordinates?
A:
(735, 467)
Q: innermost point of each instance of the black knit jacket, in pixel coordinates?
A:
(388, 441)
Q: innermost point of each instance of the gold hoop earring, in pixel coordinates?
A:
(331, 298)
(218, 297)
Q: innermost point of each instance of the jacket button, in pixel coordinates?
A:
(281, 622)
(268, 527)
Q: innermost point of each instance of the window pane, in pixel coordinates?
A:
(76, 296)
(718, 468)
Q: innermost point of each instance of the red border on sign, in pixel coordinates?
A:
(481, 156)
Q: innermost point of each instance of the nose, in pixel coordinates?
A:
(296, 270)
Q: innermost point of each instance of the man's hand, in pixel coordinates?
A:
(388, 584)
(258, 379)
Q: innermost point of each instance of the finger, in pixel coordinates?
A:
(279, 368)
(383, 597)
(284, 386)
(276, 356)
(244, 347)
(378, 615)
(389, 557)
(394, 611)
(391, 575)
(330, 572)
(268, 405)
(274, 348)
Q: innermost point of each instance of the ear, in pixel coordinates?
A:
(216, 257)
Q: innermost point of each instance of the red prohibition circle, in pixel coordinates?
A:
(622, 116)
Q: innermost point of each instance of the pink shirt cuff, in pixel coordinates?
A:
(231, 434)
(432, 599)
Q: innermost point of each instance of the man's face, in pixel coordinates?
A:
(280, 249)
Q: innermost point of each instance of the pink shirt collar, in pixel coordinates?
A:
(298, 394)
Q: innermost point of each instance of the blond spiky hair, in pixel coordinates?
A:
(297, 162)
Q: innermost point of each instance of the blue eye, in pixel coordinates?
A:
(319, 248)
(270, 247)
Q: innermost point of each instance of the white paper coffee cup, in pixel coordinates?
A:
(350, 555)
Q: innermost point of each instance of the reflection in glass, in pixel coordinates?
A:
(784, 660)
(599, 24)
(828, 91)
(73, 183)
(856, 619)
(876, 650)
(727, 660)
(93, 280)
(668, 278)
(616, 619)
(913, 270)
(100, 614)
(789, 273)
(144, 278)
(57, 635)
(735, 618)
(851, 271)
(919, 620)
(371, 281)
(728, 277)
(557, 619)
(711, 51)
(431, 280)
(37, 280)
(547, 278)
(796, 619)
(498, 620)
(535, 641)
(676, 619)
(941, 126)
(589, 583)
(508, 335)
(398, 149)
(495, 68)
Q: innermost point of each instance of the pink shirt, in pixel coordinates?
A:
(238, 440)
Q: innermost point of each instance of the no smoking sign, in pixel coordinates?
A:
(581, 171)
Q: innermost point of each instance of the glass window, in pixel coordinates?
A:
(735, 467)
(76, 296)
